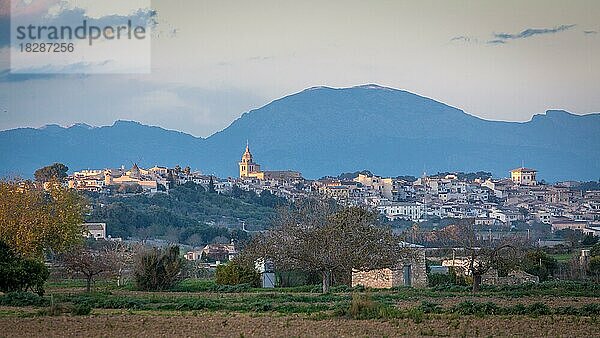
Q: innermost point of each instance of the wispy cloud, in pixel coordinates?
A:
(504, 38)
(7, 76)
(464, 39)
(500, 38)
(590, 32)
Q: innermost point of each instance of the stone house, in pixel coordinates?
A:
(411, 271)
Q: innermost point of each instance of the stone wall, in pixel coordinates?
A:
(418, 269)
(377, 279)
(513, 278)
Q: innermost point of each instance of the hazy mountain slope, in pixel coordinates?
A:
(80, 146)
(325, 131)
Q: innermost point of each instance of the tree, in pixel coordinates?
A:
(539, 263)
(120, 253)
(482, 255)
(595, 250)
(21, 274)
(589, 239)
(157, 269)
(56, 171)
(32, 220)
(573, 237)
(130, 189)
(594, 267)
(89, 263)
(211, 185)
(234, 273)
(321, 237)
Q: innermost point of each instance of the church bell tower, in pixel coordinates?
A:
(247, 165)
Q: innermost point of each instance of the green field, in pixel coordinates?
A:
(440, 311)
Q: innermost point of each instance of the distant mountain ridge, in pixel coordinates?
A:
(324, 131)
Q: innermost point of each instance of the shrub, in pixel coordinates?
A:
(537, 309)
(590, 309)
(594, 266)
(22, 299)
(429, 307)
(157, 269)
(81, 309)
(595, 250)
(451, 278)
(234, 273)
(364, 307)
(435, 279)
(20, 274)
(54, 310)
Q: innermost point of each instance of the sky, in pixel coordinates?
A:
(211, 61)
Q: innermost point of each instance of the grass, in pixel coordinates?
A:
(564, 257)
(419, 304)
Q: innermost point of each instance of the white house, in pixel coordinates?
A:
(95, 230)
(403, 210)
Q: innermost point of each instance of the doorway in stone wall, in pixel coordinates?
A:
(407, 273)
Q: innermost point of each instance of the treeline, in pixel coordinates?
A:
(588, 186)
(189, 214)
(482, 175)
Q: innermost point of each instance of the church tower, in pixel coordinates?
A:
(247, 165)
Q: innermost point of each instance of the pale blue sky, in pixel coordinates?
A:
(214, 60)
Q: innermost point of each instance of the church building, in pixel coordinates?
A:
(250, 169)
(247, 166)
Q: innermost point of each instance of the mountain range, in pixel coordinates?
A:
(325, 131)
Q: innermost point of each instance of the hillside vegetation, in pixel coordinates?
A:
(189, 214)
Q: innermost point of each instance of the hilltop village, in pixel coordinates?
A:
(494, 203)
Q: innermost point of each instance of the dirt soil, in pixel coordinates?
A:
(200, 324)
(552, 302)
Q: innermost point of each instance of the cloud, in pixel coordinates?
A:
(74, 17)
(590, 32)
(57, 13)
(79, 68)
(500, 38)
(100, 100)
(7, 76)
(464, 38)
(496, 42)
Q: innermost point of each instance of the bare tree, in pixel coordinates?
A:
(122, 255)
(90, 263)
(319, 236)
(482, 255)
